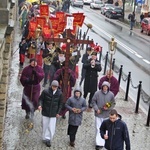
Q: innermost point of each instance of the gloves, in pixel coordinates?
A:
(28, 81)
(34, 72)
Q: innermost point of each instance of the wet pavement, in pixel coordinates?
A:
(18, 137)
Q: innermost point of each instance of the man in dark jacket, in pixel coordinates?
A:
(50, 102)
(92, 67)
(115, 132)
(76, 105)
(85, 57)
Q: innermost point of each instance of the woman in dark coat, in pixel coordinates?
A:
(31, 77)
(92, 67)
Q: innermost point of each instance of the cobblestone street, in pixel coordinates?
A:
(17, 137)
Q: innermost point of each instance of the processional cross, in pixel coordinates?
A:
(68, 40)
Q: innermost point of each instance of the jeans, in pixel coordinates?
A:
(132, 23)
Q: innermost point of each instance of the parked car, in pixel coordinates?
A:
(114, 12)
(105, 7)
(145, 25)
(87, 1)
(96, 4)
(78, 3)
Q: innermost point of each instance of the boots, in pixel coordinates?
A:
(27, 115)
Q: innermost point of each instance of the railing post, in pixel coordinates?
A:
(100, 54)
(120, 74)
(148, 116)
(113, 64)
(138, 97)
(106, 60)
(127, 88)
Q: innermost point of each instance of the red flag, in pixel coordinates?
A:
(44, 10)
(41, 21)
(61, 16)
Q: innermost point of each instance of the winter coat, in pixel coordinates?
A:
(75, 119)
(117, 134)
(100, 99)
(90, 83)
(31, 85)
(114, 85)
(51, 103)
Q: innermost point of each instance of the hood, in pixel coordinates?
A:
(78, 89)
(105, 83)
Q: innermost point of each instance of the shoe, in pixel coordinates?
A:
(48, 143)
(27, 115)
(72, 144)
(98, 147)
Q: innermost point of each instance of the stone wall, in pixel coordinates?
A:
(6, 26)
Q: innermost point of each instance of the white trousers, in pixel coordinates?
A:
(99, 140)
(49, 125)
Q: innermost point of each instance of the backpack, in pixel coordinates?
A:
(129, 16)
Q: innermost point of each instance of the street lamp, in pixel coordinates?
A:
(112, 50)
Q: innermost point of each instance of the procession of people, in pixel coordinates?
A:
(47, 69)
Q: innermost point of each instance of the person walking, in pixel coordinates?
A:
(115, 132)
(103, 101)
(132, 19)
(23, 47)
(76, 105)
(141, 17)
(59, 76)
(114, 85)
(50, 102)
(85, 57)
(30, 78)
(48, 54)
(92, 67)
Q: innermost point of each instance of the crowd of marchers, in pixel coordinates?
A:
(47, 65)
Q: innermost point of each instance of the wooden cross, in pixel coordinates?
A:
(68, 40)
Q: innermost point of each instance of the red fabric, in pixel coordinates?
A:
(39, 58)
(22, 58)
(77, 71)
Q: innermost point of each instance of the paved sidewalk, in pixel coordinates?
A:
(16, 137)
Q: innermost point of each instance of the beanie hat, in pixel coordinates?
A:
(55, 83)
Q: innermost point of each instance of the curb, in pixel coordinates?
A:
(120, 26)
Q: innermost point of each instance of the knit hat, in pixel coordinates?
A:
(55, 83)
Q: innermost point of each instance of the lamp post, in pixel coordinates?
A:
(112, 50)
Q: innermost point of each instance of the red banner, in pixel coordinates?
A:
(54, 22)
(61, 16)
(32, 26)
(41, 21)
(46, 31)
(81, 21)
(78, 18)
(44, 10)
(61, 27)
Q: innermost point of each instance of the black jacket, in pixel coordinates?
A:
(51, 104)
(117, 134)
